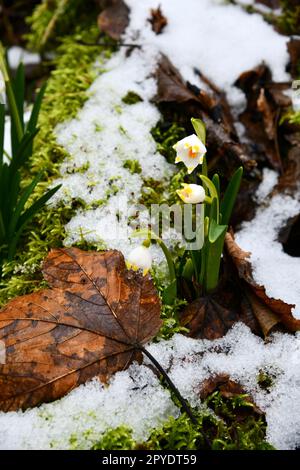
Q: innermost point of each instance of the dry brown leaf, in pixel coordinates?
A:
(265, 103)
(207, 319)
(114, 19)
(89, 323)
(193, 102)
(228, 389)
(158, 20)
(272, 308)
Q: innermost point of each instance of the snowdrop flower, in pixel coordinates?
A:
(139, 258)
(191, 193)
(190, 151)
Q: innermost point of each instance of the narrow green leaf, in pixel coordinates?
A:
(22, 154)
(216, 181)
(230, 195)
(188, 270)
(36, 206)
(21, 203)
(200, 129)
(214, 254)
(214, 211)
(216, 231)
(170, 293)
(35, 110)
(210, 185)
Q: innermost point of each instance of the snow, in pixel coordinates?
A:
(136, 399)
(272, 267)
(221, 40)
(105, 134)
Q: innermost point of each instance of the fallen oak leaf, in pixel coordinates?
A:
(272, 308)
(90, 323)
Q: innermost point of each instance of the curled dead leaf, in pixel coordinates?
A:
(265, 309)
(158, 20)
(229, 389)
(89, 323)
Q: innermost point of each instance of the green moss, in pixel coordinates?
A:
(66, 93)
(289, 20)
(217, 428)
(119, 438)
(133, 166)
(52, 19)
(220, 430)
(166, 135)
(264, 380)
(131, 98)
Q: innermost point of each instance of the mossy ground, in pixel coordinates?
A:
(67, 90)
(218, 428)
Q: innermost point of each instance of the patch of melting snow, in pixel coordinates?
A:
(136, 399)
(272, 267)
(221, 40)
(103, 137)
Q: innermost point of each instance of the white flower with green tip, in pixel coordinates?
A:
(190, 151)
(139, 258)
(191, 193)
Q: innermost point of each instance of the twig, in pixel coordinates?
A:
(173, 387)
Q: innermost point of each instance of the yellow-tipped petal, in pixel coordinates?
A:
(177, 160)
(190, 169)
(145, 272)
(128, 265)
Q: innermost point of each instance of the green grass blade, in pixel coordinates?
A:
(230, 195)
(216, 181)
(200, 129)
(36, 206)
(22, 154)
(35, 110)
(21, 204)
(213, 259)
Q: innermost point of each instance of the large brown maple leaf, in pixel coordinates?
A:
(89, 323)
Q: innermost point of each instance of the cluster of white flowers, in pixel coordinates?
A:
(190, 151)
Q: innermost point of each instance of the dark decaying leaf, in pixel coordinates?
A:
(87, 324)
(213, 110)
(229, 389)
(289, 181)
(114, 19)
(211, 316)
(207, 319)
(294, 50)
(268, 311)
(158, 20)
(266, 102)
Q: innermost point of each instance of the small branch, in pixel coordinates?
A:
(171, 384)
(109, 44)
